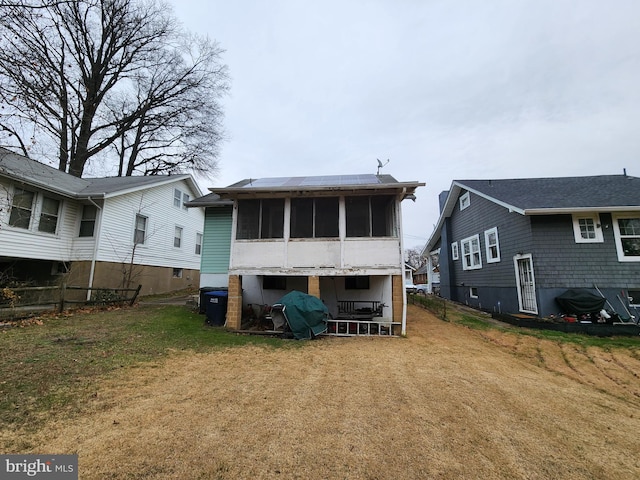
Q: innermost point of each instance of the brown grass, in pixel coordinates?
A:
(446, 402)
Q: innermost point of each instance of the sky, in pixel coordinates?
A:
(444, 90)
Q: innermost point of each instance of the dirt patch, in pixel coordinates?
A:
(446, 402)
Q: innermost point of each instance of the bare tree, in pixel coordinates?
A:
(414, 257)
(98, 74)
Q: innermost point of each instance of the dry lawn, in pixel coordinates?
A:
(446, 402)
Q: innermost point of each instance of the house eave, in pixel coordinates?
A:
(571, 210)
(406, 188)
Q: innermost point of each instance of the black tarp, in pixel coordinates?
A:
(580, 301)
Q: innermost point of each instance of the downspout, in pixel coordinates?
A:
(96, 233)
(404, 289)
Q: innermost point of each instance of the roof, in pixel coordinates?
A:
(211, 200)
(528, 195)
(43, 176)
(548, 196)
(319, 185)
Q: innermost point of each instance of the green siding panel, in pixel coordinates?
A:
(216, 244)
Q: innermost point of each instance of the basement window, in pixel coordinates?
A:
(356, 283)
(272, 282)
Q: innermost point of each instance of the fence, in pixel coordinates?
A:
(18, 301)
(434, 304)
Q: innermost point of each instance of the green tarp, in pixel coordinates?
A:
(305, 314)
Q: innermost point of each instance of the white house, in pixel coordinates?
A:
(336, 237)
(99, 232)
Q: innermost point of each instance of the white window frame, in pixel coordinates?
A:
(21, 209)
(473, 292)
(177, 272)
(136, 230)
(618, 237)
(454, 251)
(465, 200)
(178, 235)
(468, 262)
(42, 215)
(177, 198)
(199, 238)
(594, 218)
(85, 220)
(487, 245)
(185, 199)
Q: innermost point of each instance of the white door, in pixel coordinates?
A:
(526, 283)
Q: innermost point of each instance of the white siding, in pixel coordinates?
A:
(118, 221)
(30, 243)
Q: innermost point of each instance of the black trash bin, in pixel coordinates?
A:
(203, 299)
(216, 307)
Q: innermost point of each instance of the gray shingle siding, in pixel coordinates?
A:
(560, 262)
(513, 237)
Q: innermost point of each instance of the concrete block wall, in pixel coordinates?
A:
(234, 306)
(397, 297)
(313, 286)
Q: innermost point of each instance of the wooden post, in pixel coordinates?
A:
(63, 287)
(135, 295)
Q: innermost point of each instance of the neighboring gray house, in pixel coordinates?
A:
(93, 230)
(514, 245)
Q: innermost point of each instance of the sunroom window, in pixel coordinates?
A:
(260, 219)
(314, 217)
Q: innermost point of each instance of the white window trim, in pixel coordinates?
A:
(634, 301)
(177, 197)
(199, 234)
(577, 234)
(455, 255)
(470, 240)
(487, 245)
(616, 234)
(146, 229)
(471, 295)
(465, 201)
(31, 227)
(177, 228)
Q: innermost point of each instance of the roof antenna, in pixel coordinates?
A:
(624, 172)
(380, 165)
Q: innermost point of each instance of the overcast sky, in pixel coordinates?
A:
(445, 90)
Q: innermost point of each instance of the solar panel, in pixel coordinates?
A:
(316, 181)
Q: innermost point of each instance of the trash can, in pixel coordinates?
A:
(203, 299)
(216, 307)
